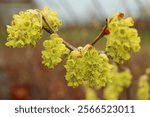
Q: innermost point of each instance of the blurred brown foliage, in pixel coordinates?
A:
(23, 72)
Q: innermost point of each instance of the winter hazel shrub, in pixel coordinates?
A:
(84, 65)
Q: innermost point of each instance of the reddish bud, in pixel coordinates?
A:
(120, 15)
(106, 31)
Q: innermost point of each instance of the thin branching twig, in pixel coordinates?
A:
(51, 31)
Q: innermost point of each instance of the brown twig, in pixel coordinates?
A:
(99, 36)
(105, 31)
(69, 46)
(51, 31)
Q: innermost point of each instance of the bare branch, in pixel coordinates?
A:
(101, 34)
(51, 31)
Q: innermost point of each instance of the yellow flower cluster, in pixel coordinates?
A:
(143, 92)
(52, 19)
(120, 80)
(26, 29)
(53, 52)
(122, 39)
(87, 66)
(90, 93)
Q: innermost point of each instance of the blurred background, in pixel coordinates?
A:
(22, 76)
